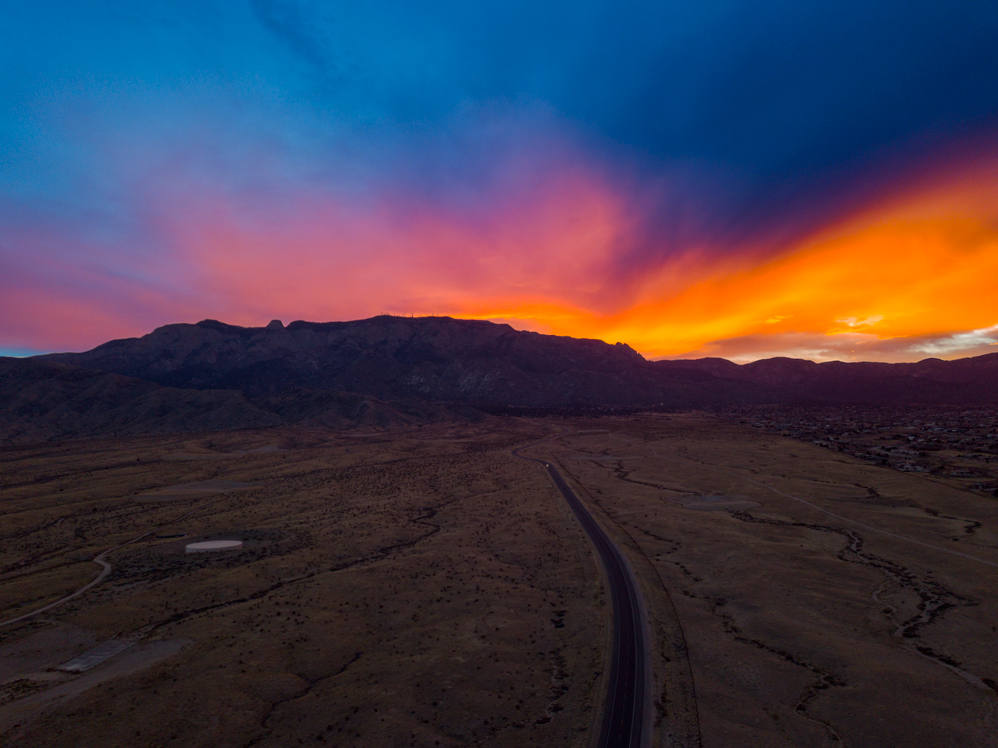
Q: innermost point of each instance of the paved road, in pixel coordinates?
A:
(623, 716)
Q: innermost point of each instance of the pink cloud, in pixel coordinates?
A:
(551, 242)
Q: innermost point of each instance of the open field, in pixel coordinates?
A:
(825, 601)
(427, 588)
(420, 589)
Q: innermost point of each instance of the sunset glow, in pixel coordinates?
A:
(255, 175)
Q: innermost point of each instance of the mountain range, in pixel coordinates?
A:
(387, 370)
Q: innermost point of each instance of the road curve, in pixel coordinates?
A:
(623, 717)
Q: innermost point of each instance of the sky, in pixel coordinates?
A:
(710, 178)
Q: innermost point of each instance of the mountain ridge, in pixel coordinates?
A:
(430, 358)
(477, 362)
(386, 371)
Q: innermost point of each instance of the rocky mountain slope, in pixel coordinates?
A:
(432, 358)
(968, 381)
(45, 400)
(479, 363)
(394, 370)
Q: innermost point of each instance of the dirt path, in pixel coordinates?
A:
(105, 566)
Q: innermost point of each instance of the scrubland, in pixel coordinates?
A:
(825, 601)
(425, 587)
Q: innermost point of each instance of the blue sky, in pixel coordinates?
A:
(713, 134)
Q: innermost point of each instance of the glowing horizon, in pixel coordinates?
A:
(701, 185)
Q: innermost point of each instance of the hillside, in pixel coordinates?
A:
(394, 370)
(46, 400)
(434, 359)
(478, 363)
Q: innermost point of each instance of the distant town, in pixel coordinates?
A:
(953, 442)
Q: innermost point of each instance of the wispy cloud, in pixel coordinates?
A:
(857, 322)
(851, 346)
(958, 342)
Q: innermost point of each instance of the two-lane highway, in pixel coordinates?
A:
(623, 717)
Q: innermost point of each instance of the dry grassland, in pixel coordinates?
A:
(410, 589)
(866, 617)
(427, 588)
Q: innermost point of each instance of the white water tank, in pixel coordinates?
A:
(206, 546)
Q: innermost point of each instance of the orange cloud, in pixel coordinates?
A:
(913, 276)
(925, 264)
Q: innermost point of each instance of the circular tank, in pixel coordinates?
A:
(206, 546)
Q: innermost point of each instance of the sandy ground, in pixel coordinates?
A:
(31, 694)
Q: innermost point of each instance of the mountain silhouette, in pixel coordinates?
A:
(388, 370)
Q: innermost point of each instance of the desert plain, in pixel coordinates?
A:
(426, 587)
